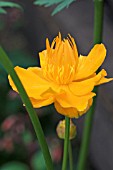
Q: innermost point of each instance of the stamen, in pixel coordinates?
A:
(47, 45)
(70, 42)
(58, 67)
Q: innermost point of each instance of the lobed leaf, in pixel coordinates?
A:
(61, 4)
(47, 2)
(8, 4)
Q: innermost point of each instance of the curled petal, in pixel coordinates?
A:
(88, 65)
(70, 112)
(68, 99)
(37, 103)
(100, 78)
(84, 87)
(87, 108)
(104, 80)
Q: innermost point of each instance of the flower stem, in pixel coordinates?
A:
(86, 139)
(98, 29)
(66, 143)
(4, 60)
(70, 156)
(98, 20)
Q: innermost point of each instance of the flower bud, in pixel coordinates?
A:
(61, 130)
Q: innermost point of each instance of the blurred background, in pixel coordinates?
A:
(22, 35)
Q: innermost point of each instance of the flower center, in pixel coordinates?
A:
(61, 74)
(61, 60)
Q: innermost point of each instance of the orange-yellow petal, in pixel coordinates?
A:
(69, 99)
(84, 87)
(87, 108)
(70, 112)
(42, 56)
(100, 78)
(74, 47)
(88, 65)
(40, 103)
(36, 70)
(104, 80)
(32, 82)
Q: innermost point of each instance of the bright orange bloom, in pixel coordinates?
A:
(64, 78)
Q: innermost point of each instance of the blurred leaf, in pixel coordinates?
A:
(27, 137)
(8, 4)
(38, 161)
(14, 166)
(61, 4)
(47, 2)
(2, 11)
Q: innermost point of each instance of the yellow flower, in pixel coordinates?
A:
(64, 78)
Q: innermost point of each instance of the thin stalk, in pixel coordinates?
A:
(70, 156)
(86, 139)
(66, 143)
(98, 29)
(98, 20)
(4, 60)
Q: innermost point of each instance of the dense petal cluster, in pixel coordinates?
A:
(65, 79)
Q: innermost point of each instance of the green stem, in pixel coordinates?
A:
(98, 29)
(70, 156)
(4, 60)
(86, 139)
(98, 20)
(66, 143)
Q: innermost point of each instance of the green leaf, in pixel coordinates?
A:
(10, 4)
(2, 11)
(37, 161)
(51, 3)
(47, 2)
(27, 137)
(14, 166)
(61, 4)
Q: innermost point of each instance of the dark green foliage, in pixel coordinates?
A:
(8, 4)
(2, 11)
(47, 2)
(61, 4)
(14, 165)
(37, 161)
